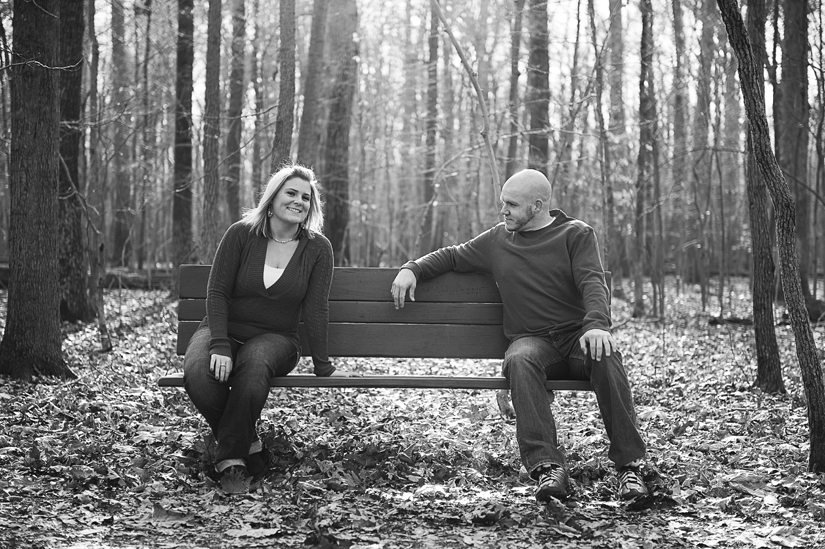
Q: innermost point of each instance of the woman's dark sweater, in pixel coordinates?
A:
(239, 306)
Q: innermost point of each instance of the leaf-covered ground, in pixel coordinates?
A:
(111, 460)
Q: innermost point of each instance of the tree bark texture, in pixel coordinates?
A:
(32, 342)
(309, 134)
(785, 232)
(538, 87)
(336, 161)
(285, 118)
(680, 141)
(210, 232)
(234, 162)
(515, 47)
(768, 365)
(605, 174)
(75, 302)
(646, 158)
(425, 234)
(182, 176)
(258, 92)
(121, 153)
(792, 138)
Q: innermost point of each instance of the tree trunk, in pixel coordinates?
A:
(285, 119)
(515, 46)
(768, 365)
(336, 161)
(616, 133)
(75, 304)
(680, 147)
(121, 153)
(31, 342)
(785, 232)
(257, 90)
(698, 255)
(792, 138)
(309, 135)
(646, 158)
(538, 87)
(210, 232)
(182, 179)
(425, 234)
(234, 163)
(605, 175)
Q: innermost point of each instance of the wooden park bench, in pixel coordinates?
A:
(456, 315)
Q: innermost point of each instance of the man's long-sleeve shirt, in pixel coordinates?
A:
(550, 279)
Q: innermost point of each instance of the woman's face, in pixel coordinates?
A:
(291, 203)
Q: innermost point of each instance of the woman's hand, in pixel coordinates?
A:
(220, 366)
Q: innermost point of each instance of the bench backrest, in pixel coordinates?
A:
(456, 315)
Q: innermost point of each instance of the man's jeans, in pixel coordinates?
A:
(530, 361)
(233, 412)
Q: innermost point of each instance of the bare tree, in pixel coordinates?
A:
(538, 86)
(336, 160)
(182, 180)
(806, 352)
(680, 145)
(425, 233)
(31, 340)
(515, 47)
(210, 233)
(285, 118)
(768, 365)
(121, 153)
(792, 138)
(234, 163)
(75, 304)
(308, 135)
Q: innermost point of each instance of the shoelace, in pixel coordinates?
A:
(631, 480)
(554, 475)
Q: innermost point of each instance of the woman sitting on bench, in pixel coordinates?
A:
(270, 267)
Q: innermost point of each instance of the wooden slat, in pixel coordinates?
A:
(192, 281)
(397, 340)
(397, 382)
(374, 311)
(372, 284)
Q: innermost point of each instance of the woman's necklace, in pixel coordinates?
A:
(284, 241)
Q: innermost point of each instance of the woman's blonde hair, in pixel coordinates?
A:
(256, 217)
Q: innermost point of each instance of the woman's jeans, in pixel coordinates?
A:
(530, 361)
(232, 413)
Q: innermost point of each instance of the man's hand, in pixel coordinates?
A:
(598, 342)
(220, 366)
(404, 280)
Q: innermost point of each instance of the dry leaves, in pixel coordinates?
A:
(110, 460)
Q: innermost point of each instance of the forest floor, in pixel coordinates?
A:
(111, 460)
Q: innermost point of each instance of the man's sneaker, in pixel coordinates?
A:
(631, 484)
(552, 483)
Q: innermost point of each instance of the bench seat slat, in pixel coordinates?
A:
(396, 382)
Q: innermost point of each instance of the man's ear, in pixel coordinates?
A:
(537, 205)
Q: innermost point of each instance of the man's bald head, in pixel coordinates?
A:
(530, 184)
(525, 199)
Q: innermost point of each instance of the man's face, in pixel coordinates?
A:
(516, 209)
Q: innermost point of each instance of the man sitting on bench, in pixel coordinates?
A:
(557, 319)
